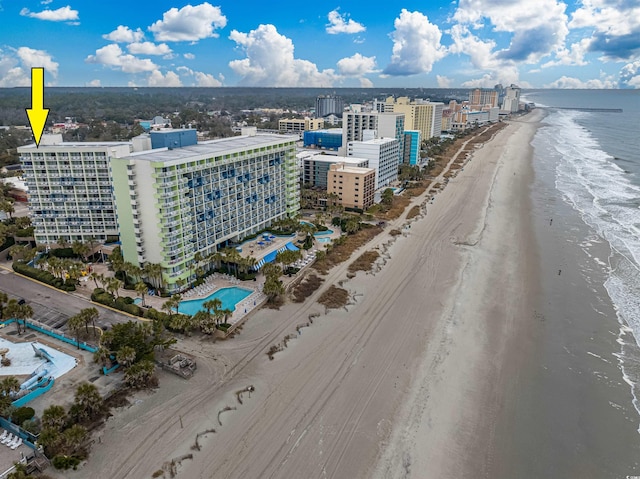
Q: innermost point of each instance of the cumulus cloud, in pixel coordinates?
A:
(538, 28)
(189, 24)
(113, 56)
(270, 61)
(94, 83)
(576, 83)
(149, 48)
(443, 81)
(62, 14)
(416, 45)
(15, 66)
(201, 79)
(574, 55)
(189, 56)
(365, 83)
(356, 65)
(158, 79)
(342, 24)
(630, 75)
(124, 34)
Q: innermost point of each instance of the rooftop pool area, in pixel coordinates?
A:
(228, 296)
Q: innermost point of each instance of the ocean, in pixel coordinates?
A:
(592, 159)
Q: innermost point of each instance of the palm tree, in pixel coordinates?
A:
(140, 374)
(62, 242)
(9, 384)
(81, 249)
(101, 356)
(215, 258)
(141, 289)
(74, 437)
(6, 205)
(54, 417)
(89, 399)
(90, 315)
(3, 299)
(271, 269)
(126, 356)
(75, 324)
(95, 276)
(273, 287)
(18, 312)
(153, 273)
(113, 286)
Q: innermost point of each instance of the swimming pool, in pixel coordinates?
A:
(324, 240)
(323, 233)
(137, 301)
(229, 297)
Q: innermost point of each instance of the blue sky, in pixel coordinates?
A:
(463, 43)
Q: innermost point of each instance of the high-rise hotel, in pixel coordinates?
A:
(180, 198)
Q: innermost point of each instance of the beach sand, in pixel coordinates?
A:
(419, 378)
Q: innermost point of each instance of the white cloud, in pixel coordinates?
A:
(538, 28)
(46, 2)
(15, 66)
(189, 23)
(572, 56)
(416, 45)
(94, 83)
(342, 24)
(630, 75)
(124, 34)
(270, 61)
(149, 48)
(113, 56)
(365, 83)
(189, 56)
(205, 79)
(356, 65)
(443, 81)
(158, 79)
(62, 14)
(576, 83)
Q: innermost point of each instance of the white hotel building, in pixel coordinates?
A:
(382, 154)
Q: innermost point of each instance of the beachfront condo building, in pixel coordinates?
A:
(329, 105)
(511, 102)
(480, 97)
(315, 168)
(422, 115)
(177, 204)
(354, 186)
(358, 125)
(382, 154)
(412, 146)
(71, 189)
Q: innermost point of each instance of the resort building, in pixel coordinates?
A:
(422, 115)
(71, 189)
(382, 154)
(511, 102)
(300, 125)
(315, 168)
(480, 97)
(353, 186)
(412, 141)
(329, 105)
(177, 204)
(383, 125)
(324, 139)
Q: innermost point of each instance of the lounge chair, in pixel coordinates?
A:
(8, 439)
(4, 434)
(17, 444)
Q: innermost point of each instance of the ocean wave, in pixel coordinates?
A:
(606, 199)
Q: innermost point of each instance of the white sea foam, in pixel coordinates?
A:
(607, 201)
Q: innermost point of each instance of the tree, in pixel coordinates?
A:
(63, 242)
(140, 374)
(6, 205)
(95, 276)
(54, 417)
(75, 324)
(126, 356)
(3, 300)
(387, 197)
(141, 289)
(273, 287)
(73, 438)
(18, 311)
(113, 286)
(352, 225)
(88, 401)
(89, 315)
(81, 249)
(9, 384)
(101, 356)
(153, 273)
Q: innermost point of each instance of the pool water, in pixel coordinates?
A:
(229, 297)
(137, 301)
(322, 233)
(323, 240)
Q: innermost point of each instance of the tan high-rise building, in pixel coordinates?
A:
(354, 186)
(480, 98)
(422, 115)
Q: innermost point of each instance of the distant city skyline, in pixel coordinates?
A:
(465, 43)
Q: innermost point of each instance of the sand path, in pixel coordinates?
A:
(398, 386)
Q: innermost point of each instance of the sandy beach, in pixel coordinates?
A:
(415, 379)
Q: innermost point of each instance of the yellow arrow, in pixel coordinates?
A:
(37, 113)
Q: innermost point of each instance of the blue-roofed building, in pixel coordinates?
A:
(411, 147)
(174, 138)
(324, 139)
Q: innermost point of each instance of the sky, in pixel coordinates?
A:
(429, 43)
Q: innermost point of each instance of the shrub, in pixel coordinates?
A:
(22, 414)
(65, 462)
(42, 276)
(63, 253)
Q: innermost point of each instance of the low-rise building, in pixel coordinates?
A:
(300, 125)
(323, 139)
(315, 168)
(354, 187)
